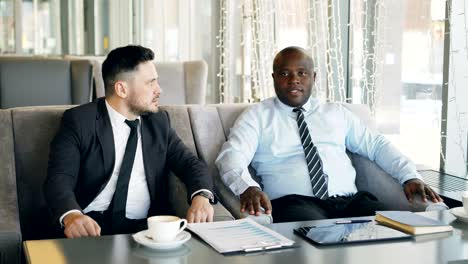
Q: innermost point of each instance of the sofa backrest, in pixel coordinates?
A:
(31, 81)
(182, 82)
(33, 130)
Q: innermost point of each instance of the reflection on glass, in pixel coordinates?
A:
(175, 256)
(358, 232)
(41, 26)
(7, 26)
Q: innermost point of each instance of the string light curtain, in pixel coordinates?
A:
(262, 44)
(326, 41)
(247, 46)
(245, 66)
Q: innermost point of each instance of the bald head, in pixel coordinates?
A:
(290, 52)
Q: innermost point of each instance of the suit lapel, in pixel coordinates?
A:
(149, 158)
(106, 138)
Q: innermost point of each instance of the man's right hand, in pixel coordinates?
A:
(253, 199)
(80, 225)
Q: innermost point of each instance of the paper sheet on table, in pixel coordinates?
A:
(243, 235)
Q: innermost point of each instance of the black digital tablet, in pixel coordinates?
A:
(349, 233)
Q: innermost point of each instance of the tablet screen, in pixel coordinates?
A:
(349, 233)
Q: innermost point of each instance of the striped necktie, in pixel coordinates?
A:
(314, 164)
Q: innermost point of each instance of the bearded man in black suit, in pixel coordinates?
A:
(110, 160)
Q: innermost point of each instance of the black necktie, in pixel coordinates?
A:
(314, 164)
(119, 201)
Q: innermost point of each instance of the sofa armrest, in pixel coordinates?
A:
(10, 231)
(370, 177)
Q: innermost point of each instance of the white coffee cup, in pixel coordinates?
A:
(465, 201)
(164, 228)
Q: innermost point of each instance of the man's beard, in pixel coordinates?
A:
(139, 109)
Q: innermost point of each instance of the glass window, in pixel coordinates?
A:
(7, 26)
(292, 23)
(400, 55)
(41, 27)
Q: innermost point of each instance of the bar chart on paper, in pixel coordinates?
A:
(239, 235)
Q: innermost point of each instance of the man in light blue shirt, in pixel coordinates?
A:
(297, 147)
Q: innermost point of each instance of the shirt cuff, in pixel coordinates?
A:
(201, 190)
(410, 177)
(67, 213)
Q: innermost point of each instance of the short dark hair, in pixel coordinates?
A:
(122, 60)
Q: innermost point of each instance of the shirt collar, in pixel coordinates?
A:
(308, 107)
(115, 117)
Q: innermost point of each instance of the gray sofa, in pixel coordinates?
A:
(25, 134)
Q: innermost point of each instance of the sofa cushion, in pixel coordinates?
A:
(209, 137)
(181, 124)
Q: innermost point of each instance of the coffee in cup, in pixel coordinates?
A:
(465, 201)
(164, 228)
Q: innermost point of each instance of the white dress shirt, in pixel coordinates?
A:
(267, 137)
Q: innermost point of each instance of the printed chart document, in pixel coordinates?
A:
(243, 235)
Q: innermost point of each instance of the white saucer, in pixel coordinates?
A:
(459, 213)
(180, 239)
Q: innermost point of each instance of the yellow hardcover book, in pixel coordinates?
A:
(411, 223)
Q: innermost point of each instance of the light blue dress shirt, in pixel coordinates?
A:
(267, 137)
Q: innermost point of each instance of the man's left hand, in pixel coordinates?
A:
(200, 211)
(417, 186)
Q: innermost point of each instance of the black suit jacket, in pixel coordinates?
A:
(82, 158)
